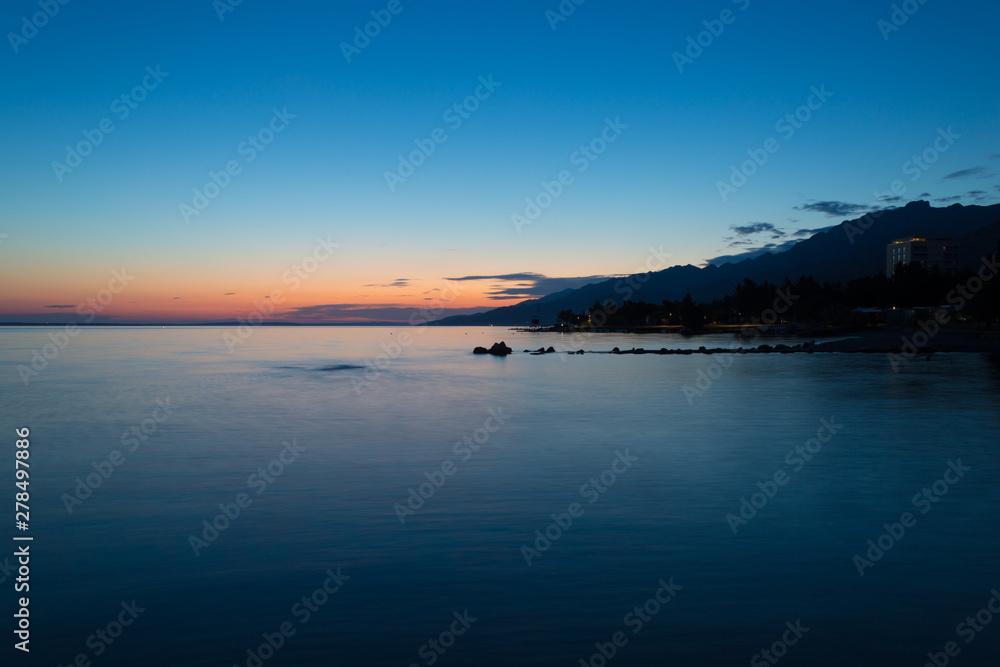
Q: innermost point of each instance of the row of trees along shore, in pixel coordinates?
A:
(820, 304)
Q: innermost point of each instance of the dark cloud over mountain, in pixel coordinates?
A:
(528, 285)
(834, 209)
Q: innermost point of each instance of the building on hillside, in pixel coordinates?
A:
(939, 251)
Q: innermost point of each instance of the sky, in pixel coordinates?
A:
(273, 157)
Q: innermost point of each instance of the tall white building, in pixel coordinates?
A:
(939, 251)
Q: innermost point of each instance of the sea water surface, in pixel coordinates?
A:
(515, 441)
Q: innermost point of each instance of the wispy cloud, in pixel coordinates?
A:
(752, 253)
(520, 286)
(755, 248)
(60, 306)
(399, 282)
(980, 196)
(833, 209)
(811, 232)
(752, 228)
(974, 172)
(948, 200)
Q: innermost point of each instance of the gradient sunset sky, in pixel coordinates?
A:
(888, 92)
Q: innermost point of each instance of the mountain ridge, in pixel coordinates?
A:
(852, 249)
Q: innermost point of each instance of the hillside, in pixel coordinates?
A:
(844, 252)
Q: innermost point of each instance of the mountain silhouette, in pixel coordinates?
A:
(852, 249)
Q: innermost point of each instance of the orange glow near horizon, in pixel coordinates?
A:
(221, 299)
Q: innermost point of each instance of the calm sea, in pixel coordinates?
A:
(697, 526)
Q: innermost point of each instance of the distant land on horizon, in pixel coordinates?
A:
(853, 249)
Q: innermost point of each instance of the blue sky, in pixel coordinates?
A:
(345, 124)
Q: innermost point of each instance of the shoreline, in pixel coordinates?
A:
(912, 342)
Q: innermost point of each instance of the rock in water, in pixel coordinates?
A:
(500, 349)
